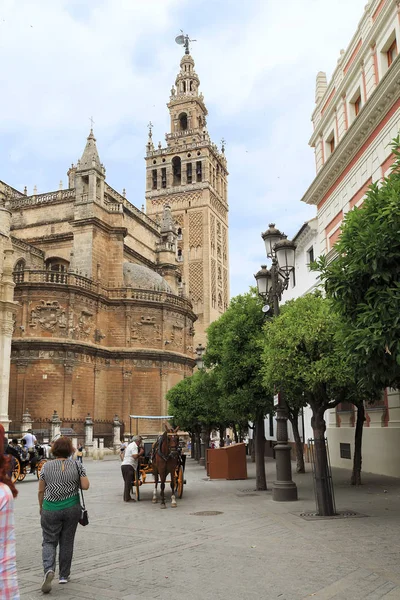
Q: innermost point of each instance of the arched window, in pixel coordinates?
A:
(176, 170)
(183, 122)
(179, 233)
(18, 274)
(179, 256)
(58, 269)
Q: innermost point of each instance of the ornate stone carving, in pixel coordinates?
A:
(85, 325)
(48, 315)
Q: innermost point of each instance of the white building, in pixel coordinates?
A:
(357, 114)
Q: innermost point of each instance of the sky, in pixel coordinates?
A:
(64, 61)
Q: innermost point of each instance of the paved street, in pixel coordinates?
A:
(253, 549)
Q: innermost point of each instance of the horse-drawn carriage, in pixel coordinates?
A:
(25, 462)
(162, 457)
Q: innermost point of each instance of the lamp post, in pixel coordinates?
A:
(200, 365)
(270, 284)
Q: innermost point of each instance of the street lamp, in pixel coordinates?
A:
(271, 283)
(200, 365)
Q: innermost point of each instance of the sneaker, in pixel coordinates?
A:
(63, 580)
(46, 585)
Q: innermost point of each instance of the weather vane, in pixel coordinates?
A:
(91, 122)
(150, 126)
(183, 40)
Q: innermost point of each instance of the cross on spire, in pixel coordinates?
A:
(91, 123)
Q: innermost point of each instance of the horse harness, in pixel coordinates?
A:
(173, 452)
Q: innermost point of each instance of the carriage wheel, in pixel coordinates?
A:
(22, 473)
(180, 481)
(39, 466)
(16, 472)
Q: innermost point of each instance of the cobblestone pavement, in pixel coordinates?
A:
(254, 549)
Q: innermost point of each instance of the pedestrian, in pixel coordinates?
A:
(60, 509)
(228, 441)
(122, 450)
(129, 466)
(8, 563)
(79, 453)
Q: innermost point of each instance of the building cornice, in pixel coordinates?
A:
(340, 85)
(371, 114)
(28, 344)
(26, 247)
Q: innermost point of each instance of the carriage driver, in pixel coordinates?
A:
(129, 465)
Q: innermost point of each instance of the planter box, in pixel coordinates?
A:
(228, 462)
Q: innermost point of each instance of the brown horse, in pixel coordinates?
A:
(165, 461)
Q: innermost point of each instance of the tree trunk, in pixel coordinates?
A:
(323, 482)
(197, 445)
(294, 420)
(252, 449)
(357, 460)
(192, 445)
(221, 436)
(235, 435)
(259, 443)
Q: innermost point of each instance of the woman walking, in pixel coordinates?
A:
(8, 565)
(60, 509)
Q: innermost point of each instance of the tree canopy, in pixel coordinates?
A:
(363, 282)
(234, 354)
(300, 356)
(194, 401)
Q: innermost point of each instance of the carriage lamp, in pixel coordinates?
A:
(271, 283)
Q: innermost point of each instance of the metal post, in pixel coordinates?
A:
(283, 489)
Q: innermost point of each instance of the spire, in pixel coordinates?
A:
(150, 145)
(187, 81)
(90, 157)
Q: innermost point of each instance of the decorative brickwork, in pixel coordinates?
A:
(196, 281)
(213, 283)
(195, 229)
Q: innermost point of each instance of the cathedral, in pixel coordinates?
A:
(110, 301)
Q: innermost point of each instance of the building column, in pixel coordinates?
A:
(6, 330)
(67, 395)
(126, 396)
(22, 366)
(26, 422)
(116, 434)
(55, 426)
(88, 434)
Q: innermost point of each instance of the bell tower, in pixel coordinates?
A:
(189, 174)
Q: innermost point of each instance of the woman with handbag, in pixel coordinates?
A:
(59, 484)
(8, 566)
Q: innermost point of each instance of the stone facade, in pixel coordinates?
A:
(190, 175)
(102, 326)
(357, 114)
(7, 305)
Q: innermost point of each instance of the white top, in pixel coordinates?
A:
(30, 440)
(131, 449)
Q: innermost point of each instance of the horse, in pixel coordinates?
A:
(165, 460)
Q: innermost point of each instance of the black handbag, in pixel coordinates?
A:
(84, 518)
